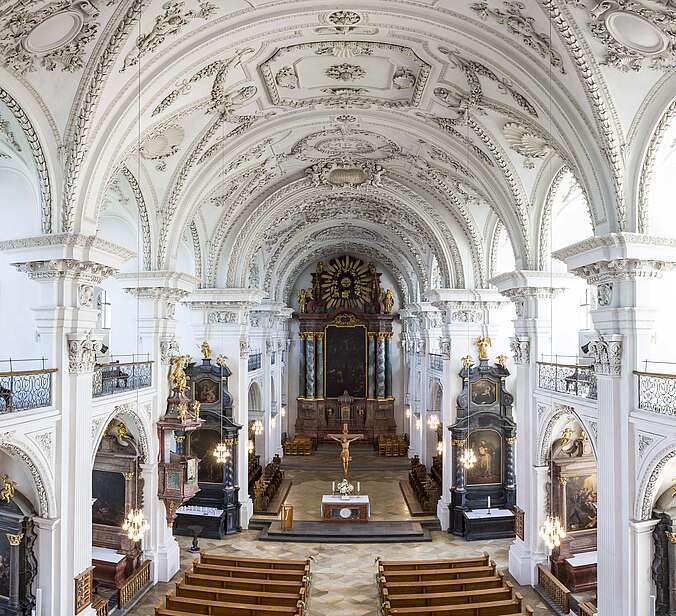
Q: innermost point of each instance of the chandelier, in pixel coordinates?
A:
(440, 447)
(407, 411)
(433, 422)
(552, 531)
(282, 411)
(468, 458)
(418, 423)
(257, 427)
(135, 525)
(222, 452)
(251, 447)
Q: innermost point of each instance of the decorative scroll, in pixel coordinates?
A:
(657, 393)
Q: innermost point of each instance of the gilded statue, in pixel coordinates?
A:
(220, 360)
(482, 343)
(345, 438)
(177, 378)
(388, 301)
(302, 301)
(7, 488)
(501, 360)
(195, 408)
(206, 350)
(467, 362)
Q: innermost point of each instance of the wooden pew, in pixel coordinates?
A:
(490, 608)
(246, 584)
(261, 563)
(449, 598)
(423, 565)
(222, 608)
(228, 595)
(250, 572)
(440, 574)
(396, 588)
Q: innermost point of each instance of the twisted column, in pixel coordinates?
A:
(320, 365)
(380, 367)
(310, 365)
(388, 366)
(372, 365)
(301, 366)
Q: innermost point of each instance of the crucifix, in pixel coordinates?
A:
(345, 438)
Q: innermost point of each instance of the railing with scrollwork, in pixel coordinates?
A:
(554, 589)
(436, 362)
(657, 392)
(25, 389)
(118, 376)
(255, 361)
(572, 379)
(134, 584)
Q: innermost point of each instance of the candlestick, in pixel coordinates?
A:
(358, 487)
(333, 487)
(489, 503)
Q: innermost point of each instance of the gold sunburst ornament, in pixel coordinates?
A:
(346, 282)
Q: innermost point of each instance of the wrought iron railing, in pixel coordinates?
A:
(572, 379)
(26, 388)
(134, 584)
(436, 362)
(554, 589)
(117, 376)
(255, 361)
(657, 392)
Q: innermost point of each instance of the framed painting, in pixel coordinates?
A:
(487, 446)
(484, 392)
(202, 444)
(207, 391)
(345, 361)
(5, 564)
(581, 499)
(108, 490)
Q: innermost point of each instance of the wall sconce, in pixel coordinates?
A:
(407, 411)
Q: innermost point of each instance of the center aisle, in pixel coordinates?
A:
(343, 581)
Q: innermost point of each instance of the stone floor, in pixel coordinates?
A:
(344, 574)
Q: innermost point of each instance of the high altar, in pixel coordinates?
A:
(345, 351)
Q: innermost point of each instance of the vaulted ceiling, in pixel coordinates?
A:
(276, 132)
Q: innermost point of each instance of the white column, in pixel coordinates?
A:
(531, 292)
(641, 541)
(267, 403)
(48, 581)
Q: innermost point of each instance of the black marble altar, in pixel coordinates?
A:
(484, 424)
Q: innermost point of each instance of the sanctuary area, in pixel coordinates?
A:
(318, 308)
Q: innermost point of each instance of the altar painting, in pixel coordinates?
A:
(202, 444)
(108, 490)
(484, 392)
(207, 391)
(487, 446)
(345, 361)
(581, 499)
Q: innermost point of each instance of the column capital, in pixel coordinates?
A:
(168, 348)
(525, 288)
(465, 305)
(244, 348)
(82, 349)
(225, 306)
(607, 354)
(520, 347)
(445, 347)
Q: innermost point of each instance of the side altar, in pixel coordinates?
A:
(345, 328)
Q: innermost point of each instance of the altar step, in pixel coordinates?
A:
(308, 531)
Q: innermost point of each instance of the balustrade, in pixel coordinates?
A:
(571, 379)
(134, 584)
(25, 389)
(116, 376)
(255, 361)
(554, 589)
(586, 609)
(657, 392)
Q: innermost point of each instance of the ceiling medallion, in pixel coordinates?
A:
(52, 37)
(345, 72)
(162, 145)
(344, 22)
(346, 174)
(526, 142)
(635, 35)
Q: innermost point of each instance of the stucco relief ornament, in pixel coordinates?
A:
(169, 23)
(222, 316)
(244, 348)
(403, 78)
(526, 143)
(520, 348)
(82, 352)
(607, 354)
(604, 294)
(53, 37)
(445, 348)
(286, 77)
(168, 349)
(345, 72)
(635, 35)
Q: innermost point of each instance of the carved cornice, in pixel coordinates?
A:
(605, 272)
(85, 272)
(69, 240)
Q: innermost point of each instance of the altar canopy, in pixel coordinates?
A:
(346, 354)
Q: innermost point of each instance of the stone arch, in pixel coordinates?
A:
(646, 493)
(138, 426)
(554, 417)
(39, 474)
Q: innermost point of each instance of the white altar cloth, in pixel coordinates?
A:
(585, 558)
(480, 514)
(337, 500)
(106, 555)
(210, 512)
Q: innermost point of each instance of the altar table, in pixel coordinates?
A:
(581, 571)
(109, 567)
(352, 509)
(488, 524)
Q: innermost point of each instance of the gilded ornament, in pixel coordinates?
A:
(7, 488)
(14, 540)
(177, 378)
(467, 361)
(501, 360)
(482, 343)
(206, 350)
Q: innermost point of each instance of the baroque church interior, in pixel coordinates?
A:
(355, 308)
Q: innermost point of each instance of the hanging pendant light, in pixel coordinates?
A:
(407, 411)
(440, 447)
(222, 450)
(135, 523)
(258, 427)
(433, 421)
(552, 531)
(251, 447)
(468, 458)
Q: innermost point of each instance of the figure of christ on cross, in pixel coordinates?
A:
(345, 438)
